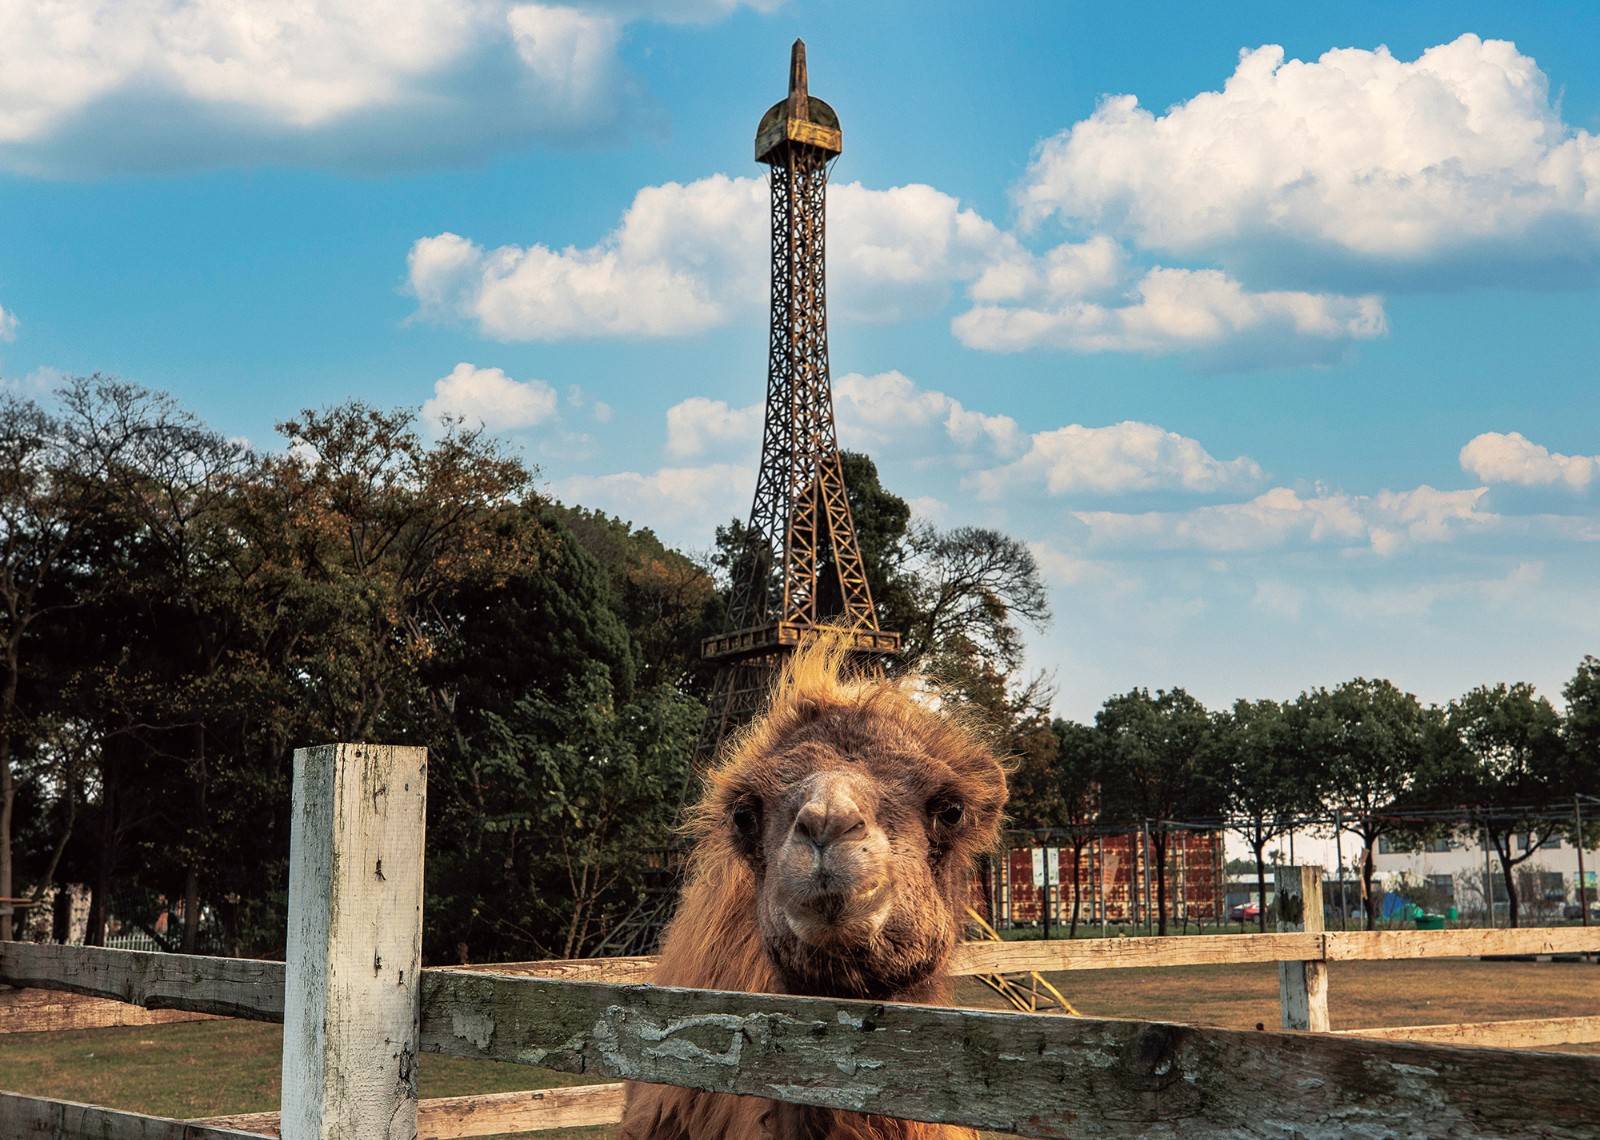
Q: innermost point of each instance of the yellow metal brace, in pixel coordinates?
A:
(1030, 992)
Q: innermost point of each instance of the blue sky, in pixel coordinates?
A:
(1272, 328)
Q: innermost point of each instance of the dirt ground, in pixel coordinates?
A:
(1360, 994)
(214, 1067)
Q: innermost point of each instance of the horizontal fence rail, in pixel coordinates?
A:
(1529, 1033)
(489, 1114)
(245, 988)
(973, 958)
(233, 987)
(1030, 1074)
(44, 1011)
(25, 1116)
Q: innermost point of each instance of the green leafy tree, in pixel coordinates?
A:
(581, 787)
(1582, 726)
(170, 484)
(379, 526)
(1369, 744)
(52, 492)
(1260, 779)
(1077, 779)
(1152, 751)
(1512, 761)
(666, 600)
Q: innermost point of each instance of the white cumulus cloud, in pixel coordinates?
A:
(8, 324)
(684, 505)
(1117, 459)
(490, 398)
(1282, 517)
(884, 414)
(1184, 310)
(1511, 457)
(686, 257)
(95, 86)
(889, 411)
(698, 425)
(1384, 162)
(681, 256)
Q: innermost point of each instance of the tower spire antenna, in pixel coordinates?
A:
(799, 96)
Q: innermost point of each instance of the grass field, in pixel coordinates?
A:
(212, 1067)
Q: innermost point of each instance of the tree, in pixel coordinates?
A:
(1582, 726)
(577, 787)
(971, 588)
(170, 481)
(1151, 767)
(50, 494)
(1368, 744)
(1512, 762)
(666, 600)
(378, 527)
(1259, 780)
(1034, 800)
(1078, 789)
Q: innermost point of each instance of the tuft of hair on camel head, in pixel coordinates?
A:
(857, 806)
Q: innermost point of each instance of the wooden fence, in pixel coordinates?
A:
(357, 1011)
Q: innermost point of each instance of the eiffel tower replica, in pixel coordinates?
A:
(800, 567)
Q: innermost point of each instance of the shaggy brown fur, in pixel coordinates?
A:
(833, 851)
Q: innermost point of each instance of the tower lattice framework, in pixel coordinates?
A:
(801, 537)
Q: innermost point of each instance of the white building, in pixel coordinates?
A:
(1452, 872)
(1448, 872)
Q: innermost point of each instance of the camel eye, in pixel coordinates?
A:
(746, 819)
(948, 813)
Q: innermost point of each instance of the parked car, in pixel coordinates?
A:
(1572, 910)
(1245, 912)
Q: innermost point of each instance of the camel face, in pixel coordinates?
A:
(830, 863)
(859, 812)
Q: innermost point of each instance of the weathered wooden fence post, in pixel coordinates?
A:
(1302, 986)
(355, 943)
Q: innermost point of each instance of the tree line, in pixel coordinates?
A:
(179, 611)
(1364, 754)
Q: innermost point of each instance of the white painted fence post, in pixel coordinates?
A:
(355, 943)
(1302, 986)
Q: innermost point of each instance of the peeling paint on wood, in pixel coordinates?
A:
(1302, 986)
(1037, 1075)
(232, 987)
(355, 943)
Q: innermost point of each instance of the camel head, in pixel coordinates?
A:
(856, 809)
